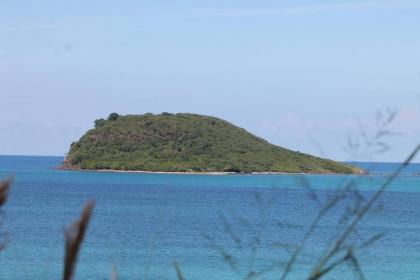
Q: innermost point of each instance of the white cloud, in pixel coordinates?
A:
(327, 137)
(408, 116)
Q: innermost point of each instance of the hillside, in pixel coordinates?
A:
(185, 143)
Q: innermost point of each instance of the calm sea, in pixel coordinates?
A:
(214, 227)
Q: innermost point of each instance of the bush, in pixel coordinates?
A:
(99, 123)
(113, 116)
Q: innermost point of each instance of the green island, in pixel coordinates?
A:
(186, 143)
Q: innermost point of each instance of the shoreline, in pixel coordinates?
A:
(204, 173)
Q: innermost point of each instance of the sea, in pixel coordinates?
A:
(172, 226)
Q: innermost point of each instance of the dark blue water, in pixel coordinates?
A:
(143, 223)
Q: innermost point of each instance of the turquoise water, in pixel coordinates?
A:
(142, 223)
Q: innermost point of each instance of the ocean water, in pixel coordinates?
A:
(214, 227)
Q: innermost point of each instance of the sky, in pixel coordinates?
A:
(305, 75)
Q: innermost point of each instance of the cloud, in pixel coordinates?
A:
(408, 119)
(310, 9)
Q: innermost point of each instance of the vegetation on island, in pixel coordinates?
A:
(186, 143)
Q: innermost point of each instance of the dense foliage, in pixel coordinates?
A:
(186, 142)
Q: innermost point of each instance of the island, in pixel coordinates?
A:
(187, 143)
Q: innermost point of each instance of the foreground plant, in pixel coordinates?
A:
(346, 202)
(4, 193)
(74, 236)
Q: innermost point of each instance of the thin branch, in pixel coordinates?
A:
(356, 265)
(339, 242)
(329, 205)
(321, 273)
(179, 274)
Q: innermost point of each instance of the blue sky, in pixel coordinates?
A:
(302, 74)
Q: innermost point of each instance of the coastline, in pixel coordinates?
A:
(204, 173)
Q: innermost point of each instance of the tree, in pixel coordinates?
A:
(113, 116)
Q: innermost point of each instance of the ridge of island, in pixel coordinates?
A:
(187, 143)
